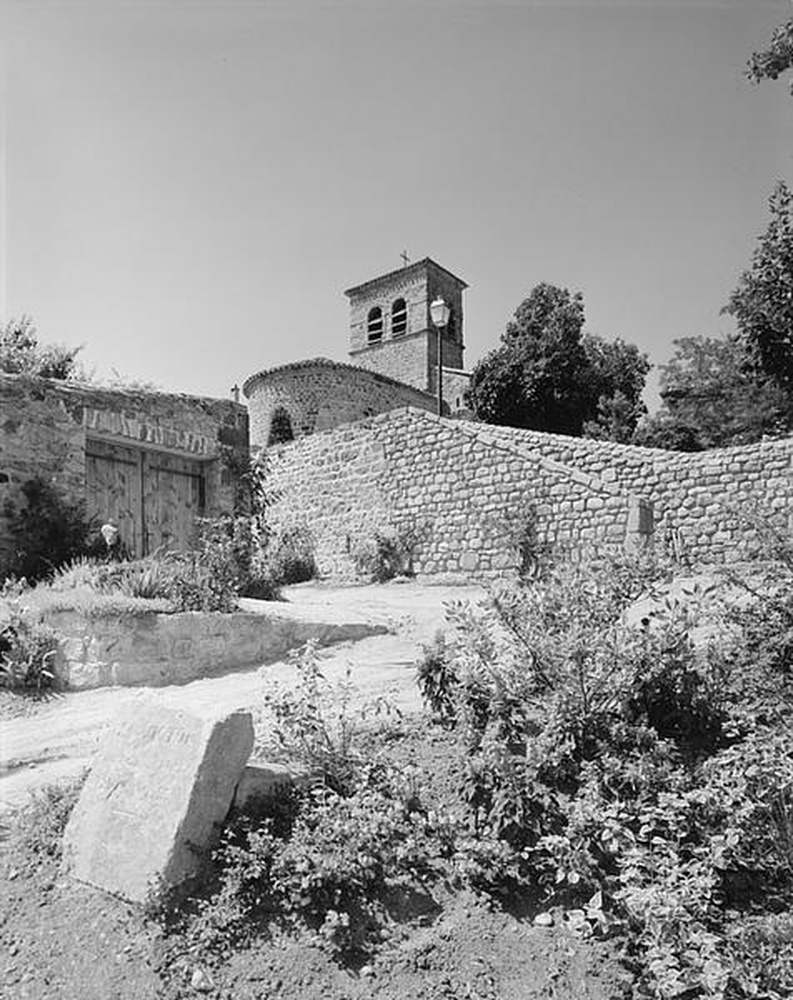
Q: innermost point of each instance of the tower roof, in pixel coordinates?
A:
(407, 269)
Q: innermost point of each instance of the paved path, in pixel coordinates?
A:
(57, 741)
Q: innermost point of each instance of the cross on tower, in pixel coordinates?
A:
(405, 258)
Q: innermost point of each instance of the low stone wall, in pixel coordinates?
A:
(411, 471)
(159, 649)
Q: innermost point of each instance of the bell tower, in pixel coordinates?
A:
(391, 331)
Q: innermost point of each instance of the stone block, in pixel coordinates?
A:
(263, 779)
(160, 787)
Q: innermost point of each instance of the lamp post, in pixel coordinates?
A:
(439, 311)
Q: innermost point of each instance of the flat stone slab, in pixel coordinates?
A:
(161, 784)
(263, 779)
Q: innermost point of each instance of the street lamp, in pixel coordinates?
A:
(440, 311)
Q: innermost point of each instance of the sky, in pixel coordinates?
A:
(187, 187)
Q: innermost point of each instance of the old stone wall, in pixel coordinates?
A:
(409, 471)
(45, 426)
(701, 501)
(158, 649)
(406, 359)
(320, 394)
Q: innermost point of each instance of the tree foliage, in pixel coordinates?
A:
(762, 304)
(714, 397)
(614, 382)
(21, 353)
(769, 63)
(548, 375)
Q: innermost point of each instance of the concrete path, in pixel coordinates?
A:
(58, 739)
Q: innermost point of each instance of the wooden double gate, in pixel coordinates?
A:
(152, 496)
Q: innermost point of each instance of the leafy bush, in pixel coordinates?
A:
(47, 530)
(760, 956)
(622, 769)
(378, 557)
(521, 525)
(290, 556)
(382, 556)
(313, 723)
(27, 651)
(331, 865)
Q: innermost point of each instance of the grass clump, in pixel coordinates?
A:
(36, 829)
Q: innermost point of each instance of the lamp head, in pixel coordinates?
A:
(439, 311)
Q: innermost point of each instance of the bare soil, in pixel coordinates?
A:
(65, 941)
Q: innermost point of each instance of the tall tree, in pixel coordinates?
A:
(762, 304)
(548, 375)
(712, 397)
(21, 353)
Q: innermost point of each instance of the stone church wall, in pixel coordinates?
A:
(410, 471)
(45, 424)
(320, 394)
(406, 359)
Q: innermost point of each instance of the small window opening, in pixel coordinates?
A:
(374, 325)
(280, 428)
(399, 318)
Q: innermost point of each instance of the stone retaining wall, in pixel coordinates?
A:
(159, 649)
(410, 471)
(700, 500)
(460, 487)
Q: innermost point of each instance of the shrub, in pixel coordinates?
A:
(48, 531)
(174, 581)
(290, 556)
(378, 557)
(313, 723)
(382, 556)
(521, 526)
(331, 866)
(619, 765)
(760, 955)
(232, 550)
(27, 652)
